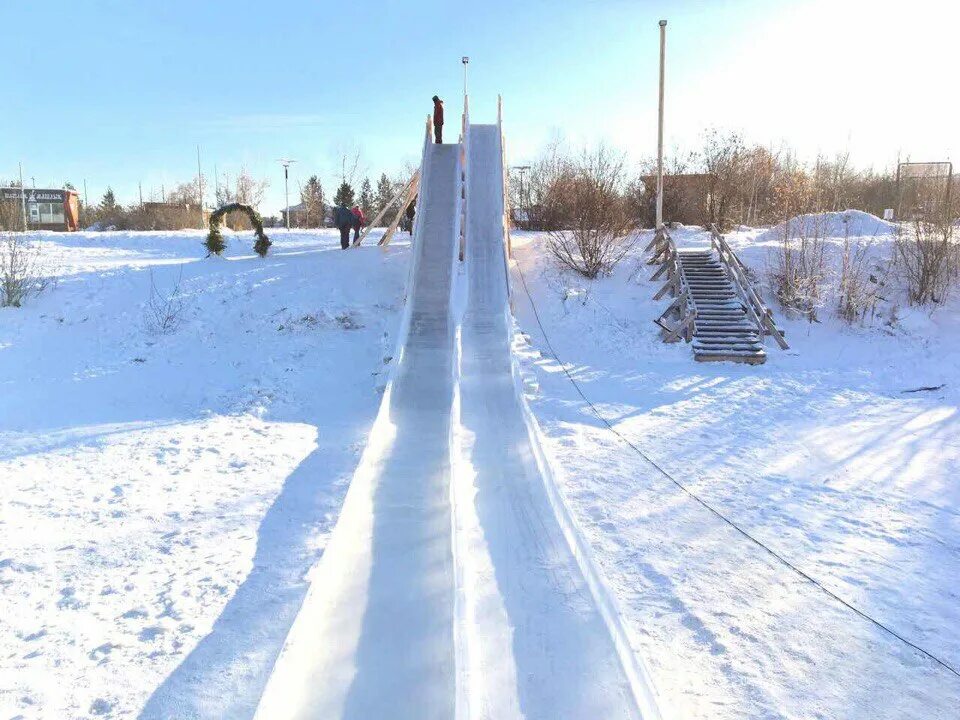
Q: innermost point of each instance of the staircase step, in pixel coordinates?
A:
(749, 358)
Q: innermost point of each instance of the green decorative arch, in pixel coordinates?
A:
(215, 242)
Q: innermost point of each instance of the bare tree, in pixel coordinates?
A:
(593, 225)
(723, 156)
(542, 184)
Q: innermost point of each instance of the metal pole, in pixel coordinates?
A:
(663, 45)
(200, 186)
(286, 162)
(522, 169)
(23, 197)
(286, 191)
(466, 61)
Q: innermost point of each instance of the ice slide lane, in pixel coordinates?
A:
(536, 645)
(374, 637)
(451, 588)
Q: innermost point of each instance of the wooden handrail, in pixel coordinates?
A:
(758, 312)
(664, 247)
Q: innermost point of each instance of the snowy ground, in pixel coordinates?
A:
(163, 495)
(818, 453)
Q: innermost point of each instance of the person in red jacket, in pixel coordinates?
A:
(361, 221)
(437, 119)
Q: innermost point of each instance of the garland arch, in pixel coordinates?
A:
(215, 242)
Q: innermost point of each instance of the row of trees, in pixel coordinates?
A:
(591, 207)
(178, 207)
(728, 182)
(315, 204)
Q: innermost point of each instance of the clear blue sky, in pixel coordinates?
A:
(121, 91)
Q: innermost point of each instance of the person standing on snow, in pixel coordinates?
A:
(411, 212)
(344, 219)
(361, 221)
(437, 120)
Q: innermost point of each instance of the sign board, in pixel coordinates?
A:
(33, 196)
(925, 169)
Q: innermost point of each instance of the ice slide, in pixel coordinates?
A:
(452, 586)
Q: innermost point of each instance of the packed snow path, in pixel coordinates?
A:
(450, 587)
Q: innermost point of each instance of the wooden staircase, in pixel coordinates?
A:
(715, 305)
(721, 329)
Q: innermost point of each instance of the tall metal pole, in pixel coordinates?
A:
(663, 46)
(466, 61)
(200, 186)
(286, 162)
(23, 197)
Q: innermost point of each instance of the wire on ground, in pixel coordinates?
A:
(773, 553)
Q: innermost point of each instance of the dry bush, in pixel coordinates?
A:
(164, 311)
(22, 271)
(591, 221)
(927, 256)
(861, 283)
(800, 273)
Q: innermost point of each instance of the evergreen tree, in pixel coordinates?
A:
(108, 204)
(344, 195)
(109, 212)
(366, 198)
(313, 203)
(385, 191)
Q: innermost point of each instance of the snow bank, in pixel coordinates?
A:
(164, 495)
(820, 453)
(849, 223)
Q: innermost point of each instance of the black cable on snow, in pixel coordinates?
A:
(773, 553)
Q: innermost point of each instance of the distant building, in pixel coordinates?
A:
(46, 209)
(297, 215)
(686, 197)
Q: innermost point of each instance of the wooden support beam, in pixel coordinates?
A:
(402, 192)
(408, 198)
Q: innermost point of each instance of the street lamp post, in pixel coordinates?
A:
(286, 186)
(663, 44)
(522, 169)
(23, 197)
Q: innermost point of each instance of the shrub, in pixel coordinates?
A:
(927, 255)
(586, 207)
(800, 272)
(21, 269)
